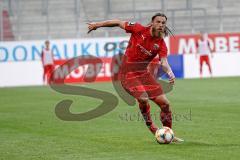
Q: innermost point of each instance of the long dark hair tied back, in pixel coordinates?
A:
(167, 31)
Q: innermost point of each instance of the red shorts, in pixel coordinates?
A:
(48, 69)
(204, 58)
(141, 84)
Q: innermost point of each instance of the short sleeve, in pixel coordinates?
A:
(132, 27)
(163, 50)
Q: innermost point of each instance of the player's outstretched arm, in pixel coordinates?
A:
(167, 69)
(109, 23)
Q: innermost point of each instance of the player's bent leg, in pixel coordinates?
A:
(165, 114)
(144, 107)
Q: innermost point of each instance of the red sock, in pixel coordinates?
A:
(166, 116)
(145, 110)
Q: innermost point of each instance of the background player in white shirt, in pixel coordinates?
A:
(204, 50)
(47, 61)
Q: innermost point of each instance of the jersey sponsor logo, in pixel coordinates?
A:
(145, 51)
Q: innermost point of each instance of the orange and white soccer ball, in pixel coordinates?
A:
(164, 135)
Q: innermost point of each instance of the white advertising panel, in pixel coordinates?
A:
(222, 64)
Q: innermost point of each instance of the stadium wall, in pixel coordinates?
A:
(20, 61)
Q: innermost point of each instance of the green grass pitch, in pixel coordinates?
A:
(206, 115)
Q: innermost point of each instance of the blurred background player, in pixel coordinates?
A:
(145, 43)
(47, 62)
(204, 50)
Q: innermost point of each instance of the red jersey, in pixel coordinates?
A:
(143, 47)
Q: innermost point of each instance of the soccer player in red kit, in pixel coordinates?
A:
(47, 62)
(204, 50)
(145, 43)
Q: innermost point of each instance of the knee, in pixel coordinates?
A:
(165, 106)
(166, 103)
(163, 103)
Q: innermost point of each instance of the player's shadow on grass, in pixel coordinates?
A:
(203, 144)
(191, 144)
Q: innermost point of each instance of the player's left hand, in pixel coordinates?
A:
(171, 77)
